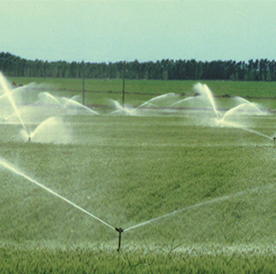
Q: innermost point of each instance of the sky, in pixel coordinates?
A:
(146, 30)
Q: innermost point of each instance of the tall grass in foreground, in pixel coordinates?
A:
(76, 261)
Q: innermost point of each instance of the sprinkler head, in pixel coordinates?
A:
(29, 139)
(120, 230)
(274, 140)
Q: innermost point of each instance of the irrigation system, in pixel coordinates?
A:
(121, 230)
(16, 171)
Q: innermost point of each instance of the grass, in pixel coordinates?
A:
(88, 261)
(127, 170)
(249, 89)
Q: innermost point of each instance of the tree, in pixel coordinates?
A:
(165, 69)
(73, 70)
(255, 70)
(272, 70)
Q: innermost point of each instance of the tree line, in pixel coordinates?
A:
(166, 69)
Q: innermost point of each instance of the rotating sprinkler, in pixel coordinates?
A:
(120, 230)
(13, 169)
(274, 140)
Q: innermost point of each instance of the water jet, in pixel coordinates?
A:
(8, 95)
(214, 200)
(205, 92)
(17, 172)
(73, 106)
(150, 104)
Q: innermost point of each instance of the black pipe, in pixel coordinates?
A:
(120, 230)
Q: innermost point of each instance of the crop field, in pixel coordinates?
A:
(189, 179)
(151, 87)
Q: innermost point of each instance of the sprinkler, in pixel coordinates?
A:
(120, 230)
(29, 139)
(274, 140)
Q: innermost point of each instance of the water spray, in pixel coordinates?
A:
(71, 102)
(215, 200)
(14, 170)
(205, 91)
(10, 98)
(260, 134)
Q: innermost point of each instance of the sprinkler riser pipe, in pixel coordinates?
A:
(120, 230)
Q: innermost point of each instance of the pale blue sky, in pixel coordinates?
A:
(146, 30)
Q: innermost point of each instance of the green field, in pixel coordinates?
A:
(192, 195)
(153, 87)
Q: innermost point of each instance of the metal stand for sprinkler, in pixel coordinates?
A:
(29, 139)
(274, 140)
(120, 230)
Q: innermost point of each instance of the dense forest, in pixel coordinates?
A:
(253, 70)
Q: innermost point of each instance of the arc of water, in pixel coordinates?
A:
(210, 97)
(252, 104)
(219, 199)
(181, 101)
(7, 92)
(146, 103)
(119, 108)
(230, 111)
(117, 105)
(52, 97)
(115, 111)
(73, 102)
(203, 89)
(12, 169)
(156, 98)
(258, 133)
